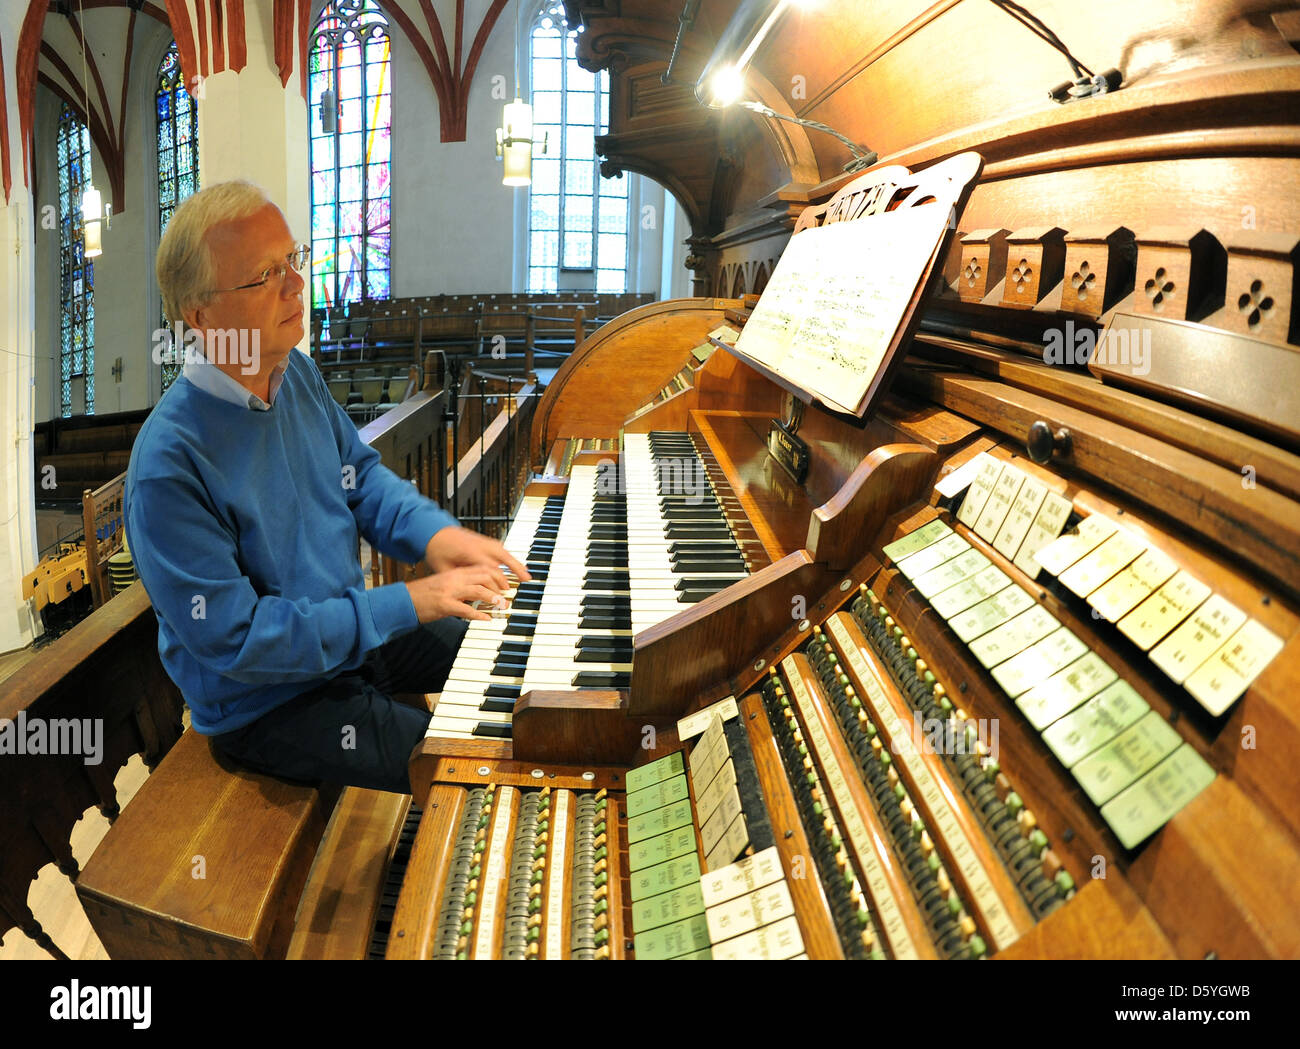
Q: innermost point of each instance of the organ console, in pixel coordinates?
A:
(1009, 673)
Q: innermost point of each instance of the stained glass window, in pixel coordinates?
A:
(576, 218)
(77, 273)
(178, 158)
(351, 147)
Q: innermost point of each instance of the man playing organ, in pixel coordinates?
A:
(247, 488)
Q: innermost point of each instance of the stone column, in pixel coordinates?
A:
(246, 68)
(17, 344)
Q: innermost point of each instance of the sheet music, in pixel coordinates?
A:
(838, 295)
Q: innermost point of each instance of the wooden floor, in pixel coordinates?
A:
(53, 899)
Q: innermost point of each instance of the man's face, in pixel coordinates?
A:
(241, 250)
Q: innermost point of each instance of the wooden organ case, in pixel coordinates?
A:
(894, 733)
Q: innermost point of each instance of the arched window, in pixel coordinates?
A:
(577, 221)
(77, 273)
(178, 157)
(350, 91)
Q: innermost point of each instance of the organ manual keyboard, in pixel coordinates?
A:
(1009, 674)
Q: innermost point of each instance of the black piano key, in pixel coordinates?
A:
(700, 591)
(493, 729)
(521, 628)
(720, 546)
(605, 581)
(600, 622)
(601, 679)
(684, 531)
(510, 692)
(603, 655)
(706, 567)
(732, 556)
(606, 560)
(497, 706)
(685, 513)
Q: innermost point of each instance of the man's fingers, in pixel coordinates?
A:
(519, 570)
(464, 611)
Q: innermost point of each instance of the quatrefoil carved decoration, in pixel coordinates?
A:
(972, 272)
(1158, 287)
(1083, 279)
(1254, 304)
(1022, 275)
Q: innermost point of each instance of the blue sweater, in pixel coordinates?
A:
(243, 528)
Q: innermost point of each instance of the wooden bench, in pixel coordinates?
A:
(208, 861)
(106, 668)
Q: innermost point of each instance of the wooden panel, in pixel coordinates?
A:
(715, 639)
(889, 478)
(1105, 919)
(415, 921)
(815, 920)
(337, 913)
(583, 725)
(1259, 526)
(254, 836)
(1242, 867)
(645, 348)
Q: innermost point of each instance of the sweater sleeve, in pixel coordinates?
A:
(392, 516)
(188, 561)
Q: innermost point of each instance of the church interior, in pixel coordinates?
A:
(889, 401)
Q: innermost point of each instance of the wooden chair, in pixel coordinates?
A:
(208, 861)
(104, 528)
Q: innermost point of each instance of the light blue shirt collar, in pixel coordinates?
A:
(211, 379)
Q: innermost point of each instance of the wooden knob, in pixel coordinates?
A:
(1043, 443)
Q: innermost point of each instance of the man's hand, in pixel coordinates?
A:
(449, 593)
(454, 547)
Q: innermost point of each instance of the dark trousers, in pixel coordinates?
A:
(350, 730)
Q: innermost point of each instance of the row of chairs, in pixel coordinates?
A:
(366, 395)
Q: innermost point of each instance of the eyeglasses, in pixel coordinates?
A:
(295, 261)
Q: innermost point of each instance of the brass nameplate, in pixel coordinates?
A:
(788, 450)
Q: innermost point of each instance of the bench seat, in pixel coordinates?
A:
(208, 861)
